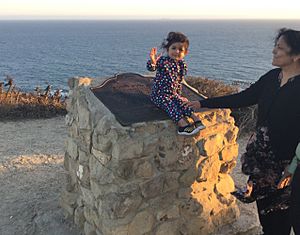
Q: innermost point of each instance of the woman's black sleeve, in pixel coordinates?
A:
(244, 98)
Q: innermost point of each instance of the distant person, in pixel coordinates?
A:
(272, 147)
(167, 87)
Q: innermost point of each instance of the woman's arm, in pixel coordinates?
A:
(248, 97)
(244, 98)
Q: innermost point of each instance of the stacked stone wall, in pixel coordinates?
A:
(146, 179)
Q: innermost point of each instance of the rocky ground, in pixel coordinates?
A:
(32, 177)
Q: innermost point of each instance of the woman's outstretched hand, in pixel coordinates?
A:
(153, 56)
(192, 104)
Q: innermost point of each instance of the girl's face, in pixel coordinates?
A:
(281, 56)
(177, 51)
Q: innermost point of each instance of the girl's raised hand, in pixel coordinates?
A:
(153, 56)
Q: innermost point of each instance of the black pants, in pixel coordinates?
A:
(295, 202)
(274, 223)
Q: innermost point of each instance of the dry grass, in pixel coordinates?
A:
(245, 118)
(211, 88)
(15, 104)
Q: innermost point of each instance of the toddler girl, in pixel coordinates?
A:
(167, 87)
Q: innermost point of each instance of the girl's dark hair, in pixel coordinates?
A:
(292, 39)
(174, 37)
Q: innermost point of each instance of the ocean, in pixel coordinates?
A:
(38, 53)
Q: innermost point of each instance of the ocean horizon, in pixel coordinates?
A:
(42, 52)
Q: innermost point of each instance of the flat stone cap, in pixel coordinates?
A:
(127, 96)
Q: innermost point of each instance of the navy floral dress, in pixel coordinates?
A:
(167, 88)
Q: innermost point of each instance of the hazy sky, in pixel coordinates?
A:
(150, 9)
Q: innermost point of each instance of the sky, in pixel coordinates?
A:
(150, 9)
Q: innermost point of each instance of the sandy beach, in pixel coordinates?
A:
(32, 178)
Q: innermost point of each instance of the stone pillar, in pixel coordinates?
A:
(145, 179)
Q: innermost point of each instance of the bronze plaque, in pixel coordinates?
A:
(127, 97)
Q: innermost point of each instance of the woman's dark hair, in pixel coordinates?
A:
(292, 39)
(174, 37)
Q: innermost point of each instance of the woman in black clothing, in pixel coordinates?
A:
(272, 147)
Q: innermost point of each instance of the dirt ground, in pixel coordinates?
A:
(32, 177)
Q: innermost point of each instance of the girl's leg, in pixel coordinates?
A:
(195, 117)
(185, 128)
(170, 107)
(189, 112)
(182, 122)
(174, 110)
(177, 113)
(198, 123)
